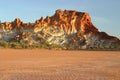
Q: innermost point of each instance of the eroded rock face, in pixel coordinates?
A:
(17, 23)
(70, 21)
(65, 28)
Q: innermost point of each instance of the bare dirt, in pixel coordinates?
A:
(40, 64)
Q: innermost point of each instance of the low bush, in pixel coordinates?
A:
(4, 44)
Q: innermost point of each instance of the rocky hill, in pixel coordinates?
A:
(66, 28)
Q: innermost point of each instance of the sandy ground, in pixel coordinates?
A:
(39, 64)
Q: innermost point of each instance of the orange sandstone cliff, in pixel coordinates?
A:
(65, 28)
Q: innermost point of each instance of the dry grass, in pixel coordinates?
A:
(40, 64)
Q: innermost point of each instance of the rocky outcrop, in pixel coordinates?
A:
(70, 21)
(17, 23)
(65, 28)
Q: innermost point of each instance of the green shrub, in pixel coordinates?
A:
(4, 44)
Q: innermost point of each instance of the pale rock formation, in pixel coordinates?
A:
(66, 28)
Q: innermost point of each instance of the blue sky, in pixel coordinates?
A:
(105, 14)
